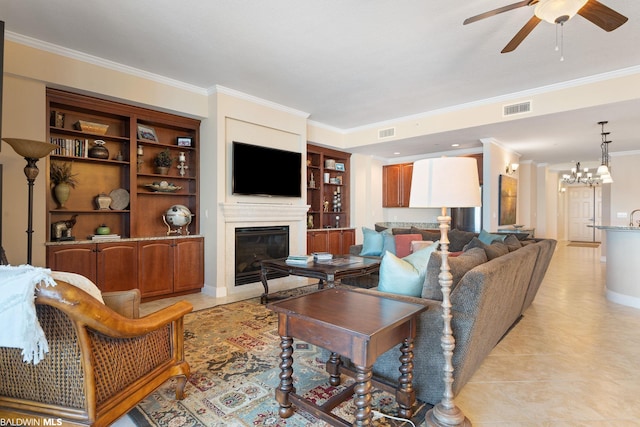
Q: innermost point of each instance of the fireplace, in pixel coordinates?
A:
(254, 244)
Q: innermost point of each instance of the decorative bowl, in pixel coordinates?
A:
(163, 187)
(91, 127)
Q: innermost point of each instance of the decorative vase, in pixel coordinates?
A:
(162, 170)
(103, 229)
(99, 151)
(61, 192)
(103, 201)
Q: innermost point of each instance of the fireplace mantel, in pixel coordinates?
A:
(234, 215)
(261, 212)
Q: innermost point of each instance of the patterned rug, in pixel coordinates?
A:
(233, 351)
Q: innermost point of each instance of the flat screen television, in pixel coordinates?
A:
(266, 171)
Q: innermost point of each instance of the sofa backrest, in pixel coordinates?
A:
(547, 247)
(485, 304)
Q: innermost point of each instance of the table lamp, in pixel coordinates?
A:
(31, 151)
(445, 182)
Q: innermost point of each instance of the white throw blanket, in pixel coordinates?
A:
(20, 326)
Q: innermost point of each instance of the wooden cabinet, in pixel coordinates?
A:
(327, 187)
(140, 195)
(335, 241)
(396, 185)
(328, 198)
(111, 266)
(132, 136)
(170, 266)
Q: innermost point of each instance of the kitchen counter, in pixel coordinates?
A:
(623, 264)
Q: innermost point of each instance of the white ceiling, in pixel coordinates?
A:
(352, 63)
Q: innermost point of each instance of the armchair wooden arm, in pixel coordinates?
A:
(100, 364)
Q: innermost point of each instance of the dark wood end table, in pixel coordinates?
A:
(330, 271)
(353, 324)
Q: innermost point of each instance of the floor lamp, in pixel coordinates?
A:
(445, 182)
(31, 151)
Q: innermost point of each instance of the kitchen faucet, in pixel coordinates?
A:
(632, 212)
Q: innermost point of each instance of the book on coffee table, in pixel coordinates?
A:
(322, 256)
(299, 259)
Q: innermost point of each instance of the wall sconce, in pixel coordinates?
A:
(511, 168)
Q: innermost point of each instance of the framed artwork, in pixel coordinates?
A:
(340, 167)
(508, 200)
(185, 141)
(147, 132)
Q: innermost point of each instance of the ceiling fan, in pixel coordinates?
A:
(557, 12)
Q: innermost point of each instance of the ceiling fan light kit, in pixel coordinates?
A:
(556, 12)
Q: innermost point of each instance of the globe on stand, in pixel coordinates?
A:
(177, 217)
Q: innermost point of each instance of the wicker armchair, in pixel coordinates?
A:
(100, 364)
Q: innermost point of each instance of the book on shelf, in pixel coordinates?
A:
(299, 259)
(320, 256)
(104, 236)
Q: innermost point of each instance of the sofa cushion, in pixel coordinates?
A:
(512, 243)
(403, 244)
(427, 234)
(373, 242)
(79, 281)
(458, 266)
(488, 238)
(494, 250)
(416, 245)
(459, 238)
(405, 276)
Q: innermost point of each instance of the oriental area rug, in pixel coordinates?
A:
(233, 351)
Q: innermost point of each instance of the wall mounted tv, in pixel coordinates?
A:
(266, 171)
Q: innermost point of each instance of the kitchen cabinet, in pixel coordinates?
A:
(396, 185)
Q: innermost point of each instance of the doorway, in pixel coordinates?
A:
(584, 210)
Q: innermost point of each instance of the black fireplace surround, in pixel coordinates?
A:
(254, 244)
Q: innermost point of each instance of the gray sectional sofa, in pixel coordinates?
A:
(487, 300)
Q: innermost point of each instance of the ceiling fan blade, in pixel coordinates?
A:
(520, 36)
(498, 10)
(601, 15)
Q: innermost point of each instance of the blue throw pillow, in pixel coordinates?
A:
(488, 238)
(376, 243)
(405, 276)
(372, 242)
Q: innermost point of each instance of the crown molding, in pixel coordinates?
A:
(100, 62)
(254, 99)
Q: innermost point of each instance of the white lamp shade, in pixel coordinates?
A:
(603, 170)
(450, 182)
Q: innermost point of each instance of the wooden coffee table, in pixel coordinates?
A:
(353, 324)
(330, 271)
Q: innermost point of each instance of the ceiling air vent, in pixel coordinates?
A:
(522, 107)
(386, 133)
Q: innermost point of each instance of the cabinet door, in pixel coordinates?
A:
(406, 174)
(155, 267)
(391, 179)
(317, 241)
(80, 259)
(335, 241)
(117, 266)
(348, 240)
(189, 264)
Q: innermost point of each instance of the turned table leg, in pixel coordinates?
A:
(333, 368)
(405, 394)
(362, 396)
(286, 380)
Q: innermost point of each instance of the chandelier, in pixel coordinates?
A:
(604, 171)
(580, 176)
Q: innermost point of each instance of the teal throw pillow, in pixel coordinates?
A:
(376, 243)
(488, 238)
(405, 276)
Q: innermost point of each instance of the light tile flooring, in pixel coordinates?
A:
(573, 360)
